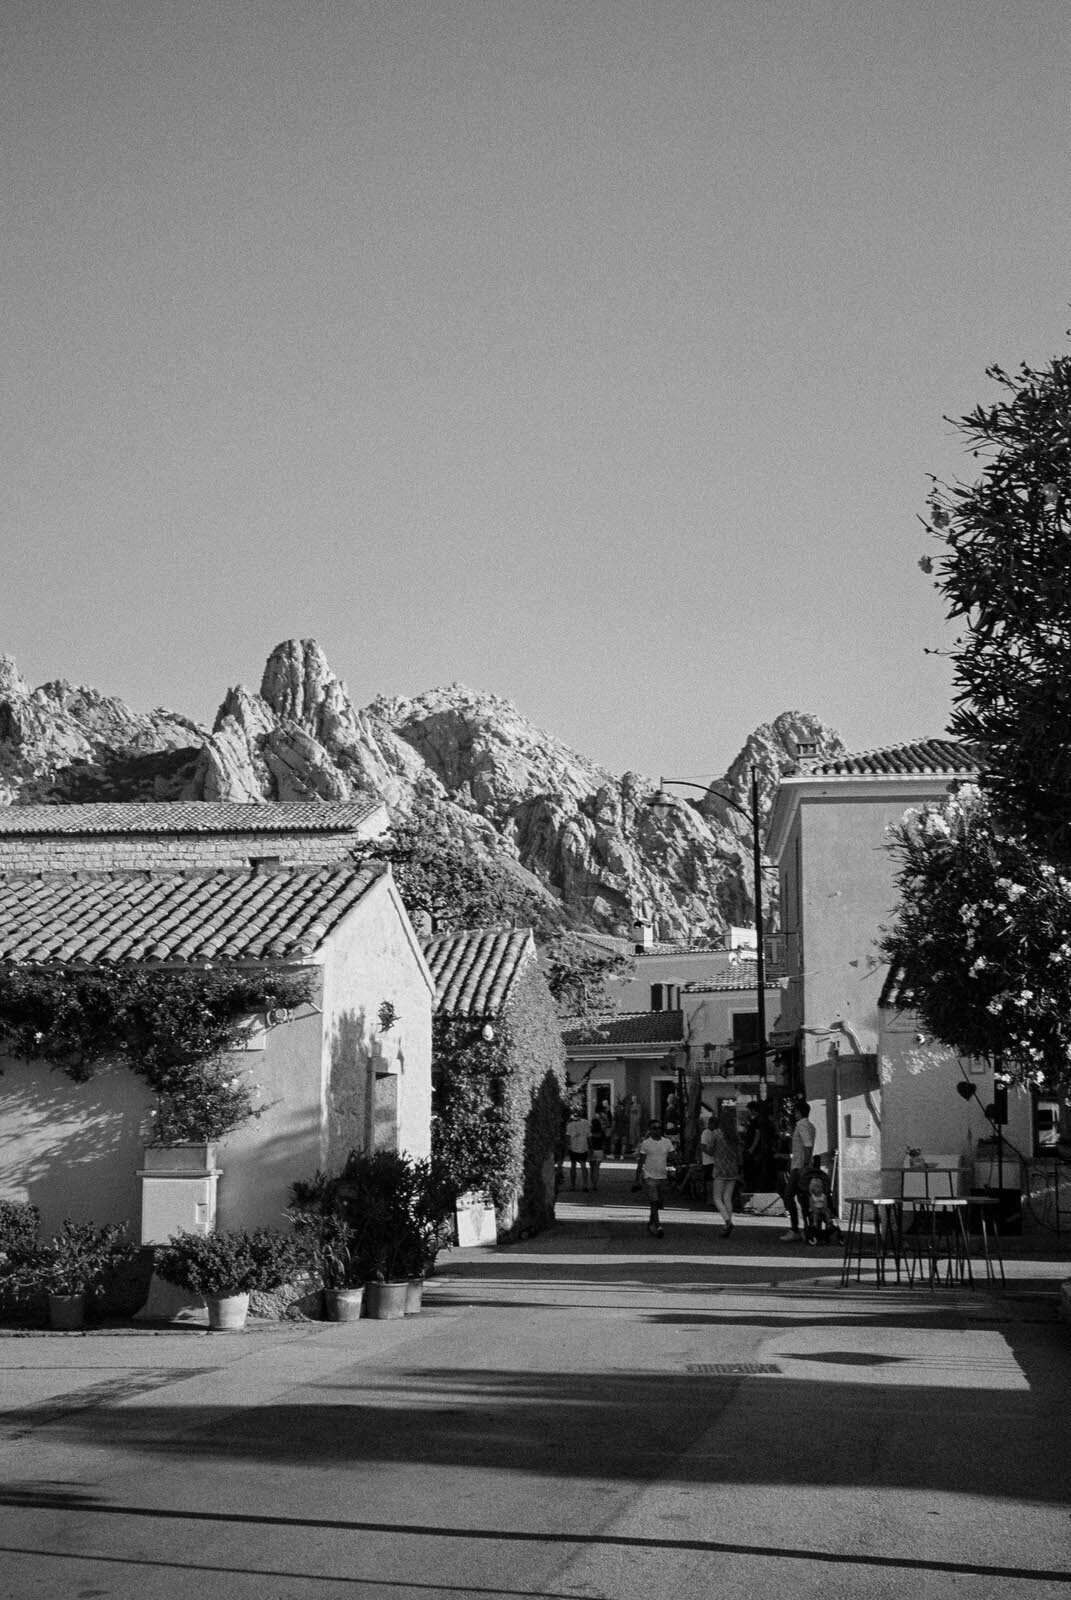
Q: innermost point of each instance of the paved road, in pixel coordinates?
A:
(592, 1413)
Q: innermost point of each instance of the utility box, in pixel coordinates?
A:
(178, 1191)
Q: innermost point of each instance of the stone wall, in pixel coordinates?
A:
(174, 852)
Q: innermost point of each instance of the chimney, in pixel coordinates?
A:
(807, 753)
(644, 934)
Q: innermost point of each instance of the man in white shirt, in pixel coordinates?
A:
(577, 1138)
(803, 1138)
(652, 1168)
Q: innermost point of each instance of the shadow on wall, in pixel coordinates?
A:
(73, 1149)
(260, 1162)
(362, 1107)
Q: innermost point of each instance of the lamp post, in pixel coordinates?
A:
(663, 799)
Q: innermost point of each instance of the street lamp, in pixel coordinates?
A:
(664, 800)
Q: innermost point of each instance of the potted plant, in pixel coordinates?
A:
(69, 1265)
(395, 1211)
(224, 1269)
(329, 1244)
(430, 1209)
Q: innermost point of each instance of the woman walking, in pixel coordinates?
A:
(726, 1167)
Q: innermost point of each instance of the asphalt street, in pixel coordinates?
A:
(589, 1413)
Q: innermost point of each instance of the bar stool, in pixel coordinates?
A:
(988, 1210)
(886, 1227)
(948, 1247)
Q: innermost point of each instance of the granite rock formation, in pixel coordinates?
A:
(589, 838)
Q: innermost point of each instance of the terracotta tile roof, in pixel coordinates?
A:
(744, 975)
(475, 968)
(81, 917)
(190, 816)
(922, 758)
(889, 997)
(632, 1027)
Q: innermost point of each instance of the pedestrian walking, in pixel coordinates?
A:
(706, 1155)
(652, 1170)
(725, 1160)
(803, 1137)
(578, 1139)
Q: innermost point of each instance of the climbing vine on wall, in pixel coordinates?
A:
(171, 1028)
(498, 1102)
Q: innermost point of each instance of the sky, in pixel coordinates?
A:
(594, 354)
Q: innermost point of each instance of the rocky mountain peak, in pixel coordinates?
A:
(12, 684)
(502, 785)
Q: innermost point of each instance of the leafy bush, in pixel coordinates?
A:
(20, 1223)
(73, 1261)
(230, 1263)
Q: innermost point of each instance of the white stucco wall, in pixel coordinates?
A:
(371, 958)
(921, 1106)
(73, 1149)
(260, 1161)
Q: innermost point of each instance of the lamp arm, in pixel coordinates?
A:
(706, 788)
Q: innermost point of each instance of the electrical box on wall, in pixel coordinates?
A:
(178, 1191)
(858, 1125)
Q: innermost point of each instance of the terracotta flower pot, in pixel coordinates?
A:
(414, 1296)
(66, 1312)
(227, 1312)
(344, 1305)
(386, 1301)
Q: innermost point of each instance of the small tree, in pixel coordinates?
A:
(981, 942)
(440, 875)
(1005, 567)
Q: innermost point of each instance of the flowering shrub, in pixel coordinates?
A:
(982, 940)
(171, 1028)
(1005, 551)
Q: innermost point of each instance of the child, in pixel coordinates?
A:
(818, 1222)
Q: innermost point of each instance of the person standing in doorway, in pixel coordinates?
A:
(578, 1139)
(634, 1119)
(597, 1142)
(803, 1137)
(620, 1127)
(652, 1169)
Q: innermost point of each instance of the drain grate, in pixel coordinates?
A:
(732, 1369)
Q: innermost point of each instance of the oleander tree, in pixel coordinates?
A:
(981, 941)
(1004, 568)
